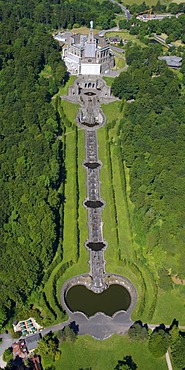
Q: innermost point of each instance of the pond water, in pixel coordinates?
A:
(111, 300)
(92, 165)
(94, 203)
(96, 246)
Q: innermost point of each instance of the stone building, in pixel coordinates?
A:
(88, 55)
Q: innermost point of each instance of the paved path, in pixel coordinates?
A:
(115, 73)
(2, 363)
(56, 327)
(153, 326)
(117, 49)
(103, 32)
(102, 327)
(7, 342)
(168, 361)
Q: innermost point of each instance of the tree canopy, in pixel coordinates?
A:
(32, 166)
(173, 27)
(151, 138)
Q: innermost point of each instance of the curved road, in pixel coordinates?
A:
(125, 10)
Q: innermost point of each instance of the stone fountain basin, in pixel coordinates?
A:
(115, 298)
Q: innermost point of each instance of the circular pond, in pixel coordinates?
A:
(113, 299)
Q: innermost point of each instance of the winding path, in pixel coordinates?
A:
(123, 8)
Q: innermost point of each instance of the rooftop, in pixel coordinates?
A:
(32, 341)
(19, 349)
(172, 60)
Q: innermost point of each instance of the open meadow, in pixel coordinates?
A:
(87, 352)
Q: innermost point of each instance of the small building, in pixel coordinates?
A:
(115, 40)
(159, 17)
(172, 61)
(20, 349)
(63, 37)
(28, 326)
(32, 341)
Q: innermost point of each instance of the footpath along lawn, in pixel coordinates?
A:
(88, 352)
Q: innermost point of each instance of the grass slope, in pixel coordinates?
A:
(125, 35)
(104, 355)
(148, 2)
(123, 254)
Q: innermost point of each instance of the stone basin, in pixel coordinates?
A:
(115, 298)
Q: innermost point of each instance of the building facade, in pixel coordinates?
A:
(88, 55)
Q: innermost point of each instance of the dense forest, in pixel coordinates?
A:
(31, 157)
(57, 13)
(152, 140)
(32, 164)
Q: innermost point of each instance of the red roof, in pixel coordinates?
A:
(19, 349)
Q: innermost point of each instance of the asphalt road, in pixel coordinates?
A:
(6, 343)
(56, 327)
(125, 10)
(117, 49)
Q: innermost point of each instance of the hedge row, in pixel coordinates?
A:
(135, 269)
(58, 308)
(108, 150)
(51, 315)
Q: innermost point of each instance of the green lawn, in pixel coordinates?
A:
(84, 255)
(63, 90)
(48, 289)
(148, 2)
(104, 355)
(119, 63)
(127, 36)
(170, 305)
(84, 30)
(75, 215)
(70, 110)
(70, 211)
(112, 110)
(108, 80)
(119, 207)
(124, 232)
(108, 215)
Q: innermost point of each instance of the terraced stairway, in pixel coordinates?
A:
(90, 93)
